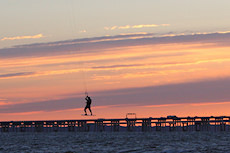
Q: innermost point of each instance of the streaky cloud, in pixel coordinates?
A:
(23, 37)
(136, 26)
(90, 45)
(189, 93)
(39, 73)
(12, 75)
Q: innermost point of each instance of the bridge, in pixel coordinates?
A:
(170, 123)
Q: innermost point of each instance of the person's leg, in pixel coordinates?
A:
(85, 111)
(90, 111)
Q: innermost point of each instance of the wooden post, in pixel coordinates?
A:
(177, 123)
(158, 126)
(219, 123)
(38, 126)
(22, 127)
(71, 126)
(115, 125)
(205, 124)
(185, 126)
(99, 126)
(5, 127)
(198, 125)
(82, 126)
(172, 126)
(131, 124)
(146, 125)
(55, 126)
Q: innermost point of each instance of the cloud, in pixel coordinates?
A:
(26, 113)
(95, 44)
(142, 74)
(23, 37)
(210, 92)
(188, 104)
(110, 28)
(136, 26)
(209, 103)
(113, 67)
(83, 31)
(164, 105)
(12, 75)
(145, 60)
(2, 99)
(3, 103)
(35, 74)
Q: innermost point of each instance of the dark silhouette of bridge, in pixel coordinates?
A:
(170, 123)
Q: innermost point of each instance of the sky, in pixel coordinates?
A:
(153, 58)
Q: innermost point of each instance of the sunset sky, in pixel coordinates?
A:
(152, 58)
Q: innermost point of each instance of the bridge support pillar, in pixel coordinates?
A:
(115, 125)
(146, 125)
(82, 126)
(99, 126)
(71, 126)
(131, 124)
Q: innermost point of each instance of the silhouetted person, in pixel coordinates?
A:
(88, 104)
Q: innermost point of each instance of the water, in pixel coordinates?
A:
(121, 142)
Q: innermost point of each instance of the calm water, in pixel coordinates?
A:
(123, 142)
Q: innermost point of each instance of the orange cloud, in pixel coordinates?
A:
(189, 104)
(209, 103)
(144, 74)
(136, 26)
(125, 27)
(83, 31)
(165, 105)
(23, 37)
(2, 103)
(149, 25)
(25, 113)
(171, 60)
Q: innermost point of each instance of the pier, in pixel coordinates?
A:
(170, 123)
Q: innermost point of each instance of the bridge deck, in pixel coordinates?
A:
(171, 123)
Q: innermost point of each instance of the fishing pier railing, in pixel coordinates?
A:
(170, 123)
